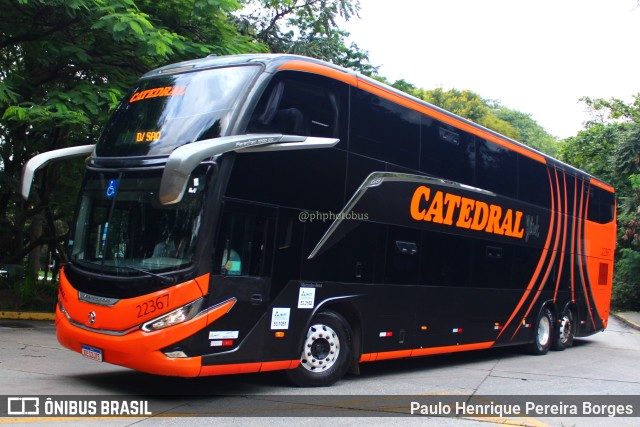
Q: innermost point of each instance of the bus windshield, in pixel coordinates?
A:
(122, 228)
(162, 113)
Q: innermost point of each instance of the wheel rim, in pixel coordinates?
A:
(566, 326)
(321, 348)
(544, 328)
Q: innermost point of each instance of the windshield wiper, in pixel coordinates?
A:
(163, 279)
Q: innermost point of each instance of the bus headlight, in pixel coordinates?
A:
(63, 310)
(182, 314)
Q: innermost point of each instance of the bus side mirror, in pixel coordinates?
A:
(41, 160)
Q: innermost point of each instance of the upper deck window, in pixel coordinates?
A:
(384, 130)
(601, 205)
(299, 104)
(164, 112)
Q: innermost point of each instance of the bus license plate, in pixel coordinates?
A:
(92, 353)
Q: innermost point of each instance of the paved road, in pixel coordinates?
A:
(33, 363)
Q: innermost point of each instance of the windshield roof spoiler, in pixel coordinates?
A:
(41, 160)
(183, 160)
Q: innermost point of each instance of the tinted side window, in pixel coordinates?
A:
(601, 205)
(245, 242)
(533, 185)
(497, 168)
(301, 104)
(288, 249)
(447, 152)
(384, 130)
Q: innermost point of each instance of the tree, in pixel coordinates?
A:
(464, 103)
(531, 133)
(590, 150)
(305, 27)
(64, 66)
(610, 148)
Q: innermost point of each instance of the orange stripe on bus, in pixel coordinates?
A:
(581, 266)
(573, 238)
(534, 278)
(323, 70)
(231, 369)
(248, 368)
(418, 352)
(543, 282)
(602, 185)
(399, 354)
(375, 89)
(203, 282)
(564, 234)
(279, 365)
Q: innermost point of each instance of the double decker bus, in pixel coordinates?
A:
(274, 212)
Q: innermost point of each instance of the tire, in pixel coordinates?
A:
(326, 352)
(543, 334)
(565, 331)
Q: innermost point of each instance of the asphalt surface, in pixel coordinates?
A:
(33, 363)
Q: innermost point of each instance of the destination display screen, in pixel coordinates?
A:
(164, 112)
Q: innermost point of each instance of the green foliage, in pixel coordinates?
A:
(610, 148)
(531, 133)
(28, 293)
(64, 65)
(590, 150)
(305, 27)
(614, 109)
(626, 289)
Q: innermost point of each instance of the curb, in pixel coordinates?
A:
(22, 315)
(626, 321)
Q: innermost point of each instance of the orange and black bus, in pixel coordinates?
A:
(274, 212)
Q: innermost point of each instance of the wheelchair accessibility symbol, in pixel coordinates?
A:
(112, 188)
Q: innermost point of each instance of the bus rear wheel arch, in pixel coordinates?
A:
(326, 352)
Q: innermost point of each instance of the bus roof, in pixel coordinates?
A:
(278, 62)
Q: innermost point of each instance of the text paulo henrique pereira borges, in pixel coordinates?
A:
(492, 409)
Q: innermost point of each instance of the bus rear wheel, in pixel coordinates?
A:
(326, 352)
(543, 336)
(565, 331)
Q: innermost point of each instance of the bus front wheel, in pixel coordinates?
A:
(543, 334)
(326, 351)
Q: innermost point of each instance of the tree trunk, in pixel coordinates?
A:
(36, 232)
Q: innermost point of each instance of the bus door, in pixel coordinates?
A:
(243, 254)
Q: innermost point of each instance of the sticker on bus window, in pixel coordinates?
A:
(112, 188)
(280, 318)
(306, 297)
